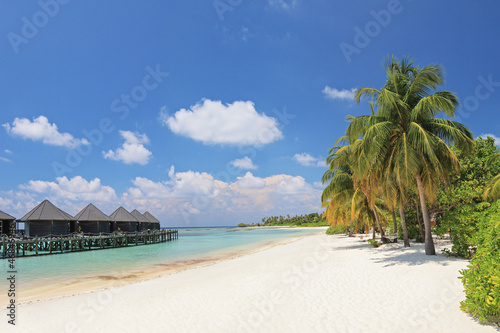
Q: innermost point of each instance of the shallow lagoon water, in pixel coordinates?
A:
(193, 244)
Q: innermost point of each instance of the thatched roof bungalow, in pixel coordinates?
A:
(124, 220)
(154, 223)
(92, 220)
(144, 223)
(46, 219)
(6, 222)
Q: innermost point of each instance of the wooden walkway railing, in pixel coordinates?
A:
(78, 242)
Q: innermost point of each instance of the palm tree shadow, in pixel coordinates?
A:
(412, 256)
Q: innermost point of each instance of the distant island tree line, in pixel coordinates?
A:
(308, 220)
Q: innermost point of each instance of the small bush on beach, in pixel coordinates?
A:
(335, 230)
(373, 242)
(482, 278)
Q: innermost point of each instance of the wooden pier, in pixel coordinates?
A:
(39, 246)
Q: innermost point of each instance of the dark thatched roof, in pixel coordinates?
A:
(92, 213)
(6, 217)
(150, 217)
(46, 211)
(122, 215)
(139, 216)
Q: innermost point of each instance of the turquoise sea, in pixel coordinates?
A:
(192, 244)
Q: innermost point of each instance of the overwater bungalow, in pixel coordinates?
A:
(144, 223)
(92, 220)
(46, 219)
(6, 222)
(124, 221)
(155, 224)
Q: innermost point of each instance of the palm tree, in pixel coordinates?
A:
(492, 191)
(411, 143)
(350, 186)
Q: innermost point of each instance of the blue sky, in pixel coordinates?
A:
(212, 112)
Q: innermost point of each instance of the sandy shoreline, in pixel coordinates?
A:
(124, 277)
(317, 283)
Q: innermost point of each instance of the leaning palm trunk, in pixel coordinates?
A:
(382, 234)
(406, 240)
(420, 227)
(373, 227)
(429, 243)
(395, 223)
(350, 233)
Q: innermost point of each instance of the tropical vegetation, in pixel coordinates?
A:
(308, 220)
(402, 159)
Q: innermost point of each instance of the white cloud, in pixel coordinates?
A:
(132, 151)
(334, 93)
(196, 197)
(4, 159)
(244, 163)
(7, 151)
(74, 189)
(283, 4)
(307, 160)
(249, 181)
(497, 139)
(319, 185)
(238, 123)
(41, 130)
(186, 198)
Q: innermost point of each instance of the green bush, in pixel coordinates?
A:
(413, 232)
(373, 242)
(335, 230)
(482, 278)
(463, 224)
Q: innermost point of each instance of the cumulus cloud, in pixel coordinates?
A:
(249, 181)
(212, 122)
(184, 198)
(307, 160)
(41, 130)
(283, 4)
(76, 188)
(197, 197)
(333, 93)
(497, 139)
(244, 163)
(132, 151)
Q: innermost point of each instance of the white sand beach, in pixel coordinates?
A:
(318, 283)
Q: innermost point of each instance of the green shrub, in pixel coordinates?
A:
(482, 278)
(413, 232)
(463, 224)
(335, 230)
(373, 242)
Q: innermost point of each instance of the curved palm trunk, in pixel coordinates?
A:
(382, 234)
(350, 232)
(420, 226)
(373, 227)
(406, 240)
(395, 223)
(429, 243)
